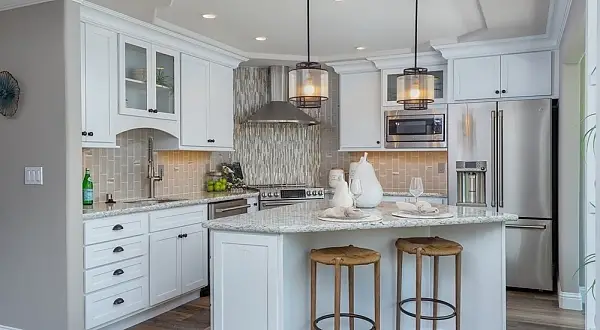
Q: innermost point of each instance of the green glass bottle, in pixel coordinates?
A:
(88, 188)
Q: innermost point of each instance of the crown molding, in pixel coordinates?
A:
(496, 47)
(20, 3)
(358, 66)
(407, 60)
(558, 13)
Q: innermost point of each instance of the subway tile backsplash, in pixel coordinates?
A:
(269, 153)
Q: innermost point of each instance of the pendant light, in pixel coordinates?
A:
(415, 88)
(309, 82)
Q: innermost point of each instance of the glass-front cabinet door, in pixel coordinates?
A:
(166, 87)
(390, 84)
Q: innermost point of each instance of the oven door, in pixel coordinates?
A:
(415, 129)
(265, 205)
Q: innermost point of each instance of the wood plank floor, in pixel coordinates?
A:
(525, 311)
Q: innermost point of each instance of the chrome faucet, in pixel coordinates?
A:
(151, 170)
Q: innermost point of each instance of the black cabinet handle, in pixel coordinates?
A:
(504, 91)
(211, 140)
(117, 228)
(184, 235)
(255, 204)
(118, 272)
(118, 301)
(91, 134)
(118, 249)
(84, 133)
(497, 92)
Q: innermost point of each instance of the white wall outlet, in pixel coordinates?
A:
(34, 175)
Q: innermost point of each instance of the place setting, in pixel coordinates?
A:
(420, 209)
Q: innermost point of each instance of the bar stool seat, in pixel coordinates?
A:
(347, 256)
(430, 246)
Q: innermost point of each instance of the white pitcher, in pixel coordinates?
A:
(372, 192)
(342, 196)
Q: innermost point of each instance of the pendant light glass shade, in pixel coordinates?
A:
(309, 85)
(415, 89)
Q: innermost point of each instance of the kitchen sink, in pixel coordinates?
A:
(151, 201)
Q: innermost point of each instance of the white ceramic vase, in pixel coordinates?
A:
(372, 192)
(342, 196)
(335, 175)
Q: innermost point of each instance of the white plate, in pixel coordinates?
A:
(369, 218)
(423, 216)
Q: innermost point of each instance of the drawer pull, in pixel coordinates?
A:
(117, 227)
(118, 249)
(184, 235)
(118, 272)
(118, 301)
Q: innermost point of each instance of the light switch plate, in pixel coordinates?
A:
(34, 175)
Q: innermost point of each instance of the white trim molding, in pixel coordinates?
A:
(7, 5)
(407, 60)
(570, 301)
(358, 66)
(3, 327)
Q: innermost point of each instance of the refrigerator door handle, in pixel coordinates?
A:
(494, 178)
(500, 158)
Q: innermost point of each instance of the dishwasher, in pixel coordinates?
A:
(221, 210)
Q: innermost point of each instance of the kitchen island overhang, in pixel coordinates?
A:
(260, 273)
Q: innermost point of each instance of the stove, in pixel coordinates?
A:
(277, 195)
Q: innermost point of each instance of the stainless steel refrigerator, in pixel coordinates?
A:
(507, 151)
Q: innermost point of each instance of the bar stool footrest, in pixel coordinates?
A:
(426, 317)
(344, 315)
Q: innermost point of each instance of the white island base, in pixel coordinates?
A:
(261, 280)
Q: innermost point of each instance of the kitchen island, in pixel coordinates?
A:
(260, 273)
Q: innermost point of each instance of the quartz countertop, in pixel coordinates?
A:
(397, 193)
(303, 218)
(103, 210)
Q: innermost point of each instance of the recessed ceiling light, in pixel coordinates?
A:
(338, 0)
(209, 16)
(261, 38)
(360, 48)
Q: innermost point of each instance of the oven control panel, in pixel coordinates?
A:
(292, 193)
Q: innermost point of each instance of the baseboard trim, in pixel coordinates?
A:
(3, 327)
(570, 301)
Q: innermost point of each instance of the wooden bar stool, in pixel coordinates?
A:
(433, 247)
(348, 256)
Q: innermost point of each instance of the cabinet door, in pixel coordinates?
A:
(194, 101)
(220, 115)
(100, 82)
(528, 74)
(360, 111)
(194, 258)
(477, 78)
(166, 83)
(135, 62)
(82, 27)
(165, 265)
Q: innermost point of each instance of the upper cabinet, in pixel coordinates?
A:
(390, 85)
(220, 115)
(503, 76)
(149, 77)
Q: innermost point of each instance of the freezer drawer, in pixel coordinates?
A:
(529, 254)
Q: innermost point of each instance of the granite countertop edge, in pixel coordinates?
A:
(331, 191)
(101, 210)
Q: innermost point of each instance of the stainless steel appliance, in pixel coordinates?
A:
(416, 129)
(272, 196)
(517, 139)
(470, 185)
(227, 208)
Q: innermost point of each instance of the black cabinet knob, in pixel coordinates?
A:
(180, 236)
(211, 140)
(184, 235)
(150, 110)
(497, 92)
(118, 301)
(118, 249)
(91, 134)
(155, 111)
(84, 133)
(118, 272)
(378, 142)
(117, 228)
(504, 91)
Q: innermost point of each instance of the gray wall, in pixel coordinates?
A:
(39, 267)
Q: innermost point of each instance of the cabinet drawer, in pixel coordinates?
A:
(106, 276)
(177, 217)
(109, 252)
(97, 231)
(112, 303)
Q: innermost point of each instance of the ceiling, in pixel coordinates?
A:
(338, 27)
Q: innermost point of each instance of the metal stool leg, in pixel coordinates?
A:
(377, 296)
(418, 289)
(398, 288)
(313, 293)
(351, 294)
(338, 284)
(436, 276)
(458, 289)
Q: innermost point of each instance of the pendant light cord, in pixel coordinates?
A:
(308, 29)
(416, 28)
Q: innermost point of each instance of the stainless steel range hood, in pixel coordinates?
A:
(279, 110)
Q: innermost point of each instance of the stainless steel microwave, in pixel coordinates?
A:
(416, 128)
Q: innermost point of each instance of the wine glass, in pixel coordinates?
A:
(416, 187)
(355, 190)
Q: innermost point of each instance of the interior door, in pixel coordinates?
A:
(525, 158)
(194, 258)
(165, 265)
(470, 137)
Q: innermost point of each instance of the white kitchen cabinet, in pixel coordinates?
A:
(252, 204)
(178, 262)
(194, 101)
(220, 115)
(503, 76)
(149, 80)
(165, 265)
(360, 111)
(99, 85)
(477, 78)
(528, 74)
(390, 86)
